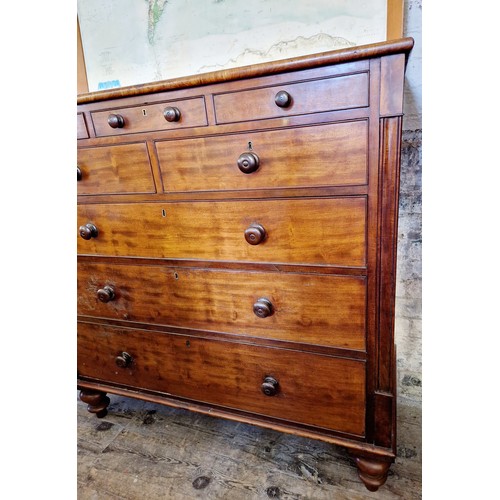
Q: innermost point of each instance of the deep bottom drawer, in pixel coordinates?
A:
(313, 389)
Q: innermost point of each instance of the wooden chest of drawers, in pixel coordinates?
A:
(237, 245)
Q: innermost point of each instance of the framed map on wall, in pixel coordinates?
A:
(128, 42)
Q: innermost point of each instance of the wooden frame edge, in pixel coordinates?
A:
(395, 19)
(82, 85)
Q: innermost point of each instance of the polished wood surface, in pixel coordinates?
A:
(395, 18)
(357, 53)
(150, 117)
(335, 155)
(238, 257)
(81, 127)
(312, 309)
(97, 401)
(372, 472)
(115, 170)
(301, 231)
(341, 92)
(230, 374)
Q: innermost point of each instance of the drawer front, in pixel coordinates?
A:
(305, 308)
(81, 127)
(328, 94)
(327, 155)
(115, 169)
(301, 231)
(313, 389)
(150, 117)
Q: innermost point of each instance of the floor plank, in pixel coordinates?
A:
(148, 451)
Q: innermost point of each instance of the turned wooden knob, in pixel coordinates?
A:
(283, 99)
(172, 114)
(123, 360)
(78, 174)
(116, 121)
(88, 231)
(248, 162)
(263, 308)
(270, 386)
(255, 234)
(106, 294)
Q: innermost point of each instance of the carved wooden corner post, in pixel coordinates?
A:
(381, 409)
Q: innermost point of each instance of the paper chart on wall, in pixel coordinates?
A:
(128, 42)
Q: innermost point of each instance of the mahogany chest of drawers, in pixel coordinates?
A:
(237, 244)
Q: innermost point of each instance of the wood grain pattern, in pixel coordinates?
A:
(115, 170)
(342, 92)
(148, 450)
(310, 231)
(388, 225)
(391, 92)
(335, 154)
(81, 127)
(249, 247)
(150, 117)
(313, 309)
(349, 54)
(230, 374)
(395, 19)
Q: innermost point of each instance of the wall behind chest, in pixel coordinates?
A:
(408, 329)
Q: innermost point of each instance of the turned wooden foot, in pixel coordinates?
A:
(97, 402)
(373, 473)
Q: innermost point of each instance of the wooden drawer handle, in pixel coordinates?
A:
(88, 231)
(123, 359)
(255, 234)
(116, 121)
(172, 114)
(263, 308)
(283, 99)
(78, 174)
(270, 386)
(106, 294)
(248, 162)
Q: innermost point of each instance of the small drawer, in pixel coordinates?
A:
(280, 383)
(327, 94)
(326, 155)
(297, 231)
(166, 115)
(119, 169)
(303, 308)
(81, 127)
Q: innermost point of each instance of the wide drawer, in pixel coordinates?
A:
(326, 94)
(326, 155)
(300, 231)
(151, 117)
(115, 169)
(312, 389)
(305, 308)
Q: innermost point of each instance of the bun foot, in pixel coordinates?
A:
(97, 402)
(373, 473)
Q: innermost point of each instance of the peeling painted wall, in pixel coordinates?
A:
(408, 327)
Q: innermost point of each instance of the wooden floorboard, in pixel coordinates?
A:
(142, 451)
